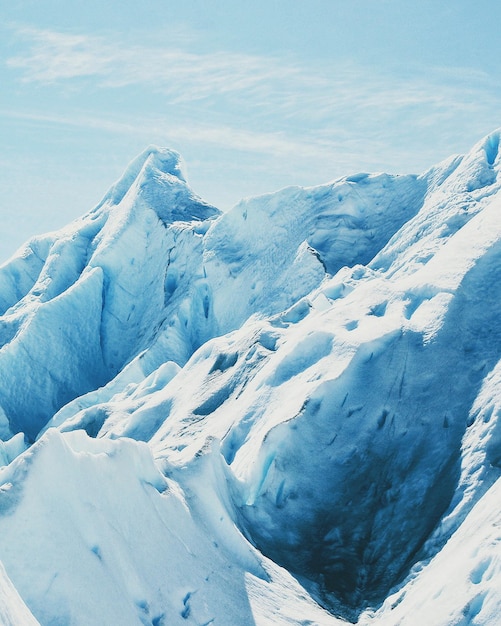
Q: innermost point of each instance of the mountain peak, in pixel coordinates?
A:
(153, 158)
(165, 160)
(156, 178)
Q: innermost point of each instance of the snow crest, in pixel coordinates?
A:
(298, 399)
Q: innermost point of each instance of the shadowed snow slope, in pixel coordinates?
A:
(236, 418)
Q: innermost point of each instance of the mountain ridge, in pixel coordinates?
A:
(309, 381)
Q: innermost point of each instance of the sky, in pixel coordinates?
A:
(254, 95)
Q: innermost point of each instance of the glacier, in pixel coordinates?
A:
(282, 414)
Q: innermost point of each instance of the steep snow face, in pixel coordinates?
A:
(13, 611)
(313, 384)
(385, 430)
(461, 584)
(457, 189)
(274, 249)
(154, 268)
(149, 551)
(342, 419)
(81, 303)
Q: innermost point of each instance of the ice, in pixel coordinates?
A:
(148, 551)
(273, 250)
(228, 418)
(13, 611)
(12, 448)
(173, 274)
(460, 584)
(47, 363)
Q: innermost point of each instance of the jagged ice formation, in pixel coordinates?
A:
(285, 414)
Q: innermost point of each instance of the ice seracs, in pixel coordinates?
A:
(305, 388)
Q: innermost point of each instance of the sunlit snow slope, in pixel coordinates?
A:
(285, 414)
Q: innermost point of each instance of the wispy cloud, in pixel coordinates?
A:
(278, 106)
(223, 136)
(287, 85)
(55, 57)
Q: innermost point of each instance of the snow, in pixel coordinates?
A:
(13, 611)
(460, 585)
(176, 572)
(237, 418)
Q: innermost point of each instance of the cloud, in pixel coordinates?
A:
(55, 57)
(223, 136)
(280, 106)
(260, 83)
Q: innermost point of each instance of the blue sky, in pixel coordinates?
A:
(255, 95)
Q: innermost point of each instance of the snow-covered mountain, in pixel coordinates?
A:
(285, 414)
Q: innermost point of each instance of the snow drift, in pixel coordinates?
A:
(284, 414)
